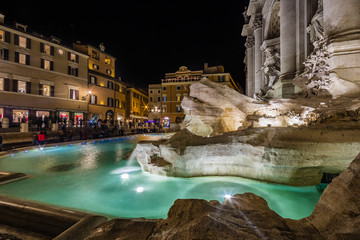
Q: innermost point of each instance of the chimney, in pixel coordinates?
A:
(2, 18)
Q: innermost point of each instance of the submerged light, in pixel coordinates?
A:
(139, 189)
(227, 196)
(124, 176)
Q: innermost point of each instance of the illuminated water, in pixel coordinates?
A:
(93, 177)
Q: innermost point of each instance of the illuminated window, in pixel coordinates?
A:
(21, 87)
(2, 36)
(2, 84)
(22, 58)
(22, 41)
(46, 90)
(164, 99)
(46, 64)
(108, 71)
(178, 108)
(178, 98)
(107, 61)
(73, 57)
(47, 49)
(96, 67)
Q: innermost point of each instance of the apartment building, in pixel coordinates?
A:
(154, 93)
(137, 107)
(106, 93)
(40, 77)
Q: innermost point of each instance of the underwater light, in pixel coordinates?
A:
(227, 196)
(140, 189)
(124, 176)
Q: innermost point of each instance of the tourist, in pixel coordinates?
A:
(35, 139)
(42, 138)
(1, 140)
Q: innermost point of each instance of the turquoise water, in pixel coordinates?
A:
(94, 177)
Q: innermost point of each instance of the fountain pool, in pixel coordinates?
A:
(94, 177)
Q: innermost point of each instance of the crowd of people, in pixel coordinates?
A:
(98, 129)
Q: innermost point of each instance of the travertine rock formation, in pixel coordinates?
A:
(296, 156)
(212, 109)
(247, 216)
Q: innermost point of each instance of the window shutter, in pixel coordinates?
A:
(42, 63)
(41, 92)
(28, 87)
(16, 39)
(95, 99)
(71, 94)
(51, 65)
(69, 54)
(42, 47)
(77, 58)
(52, 91)
(7, 37)
(108, 103)
(7, 84)
(28, 43)
(52, 51)
(27, 59)
(15, 85)
(69, 70)
(6, 54)
(76, 72)
(77, 94)
(16, 57)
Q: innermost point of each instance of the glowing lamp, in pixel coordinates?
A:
(227, 196)
(125, 176)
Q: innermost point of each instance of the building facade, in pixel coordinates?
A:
(106, 93)
(282, 34)
(137, 107)
(154, 93)
(40, 77)
(176, 86)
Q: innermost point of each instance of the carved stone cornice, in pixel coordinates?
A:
(250, 41)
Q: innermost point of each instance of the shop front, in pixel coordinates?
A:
(20, 116)
(78, 119)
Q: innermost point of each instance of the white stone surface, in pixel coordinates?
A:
(273, 155)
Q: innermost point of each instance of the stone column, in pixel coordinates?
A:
(250, 77)
(285, 88)
(342, 27)
(341, 17)
(258, 39)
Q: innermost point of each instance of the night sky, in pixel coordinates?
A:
(148, 38)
